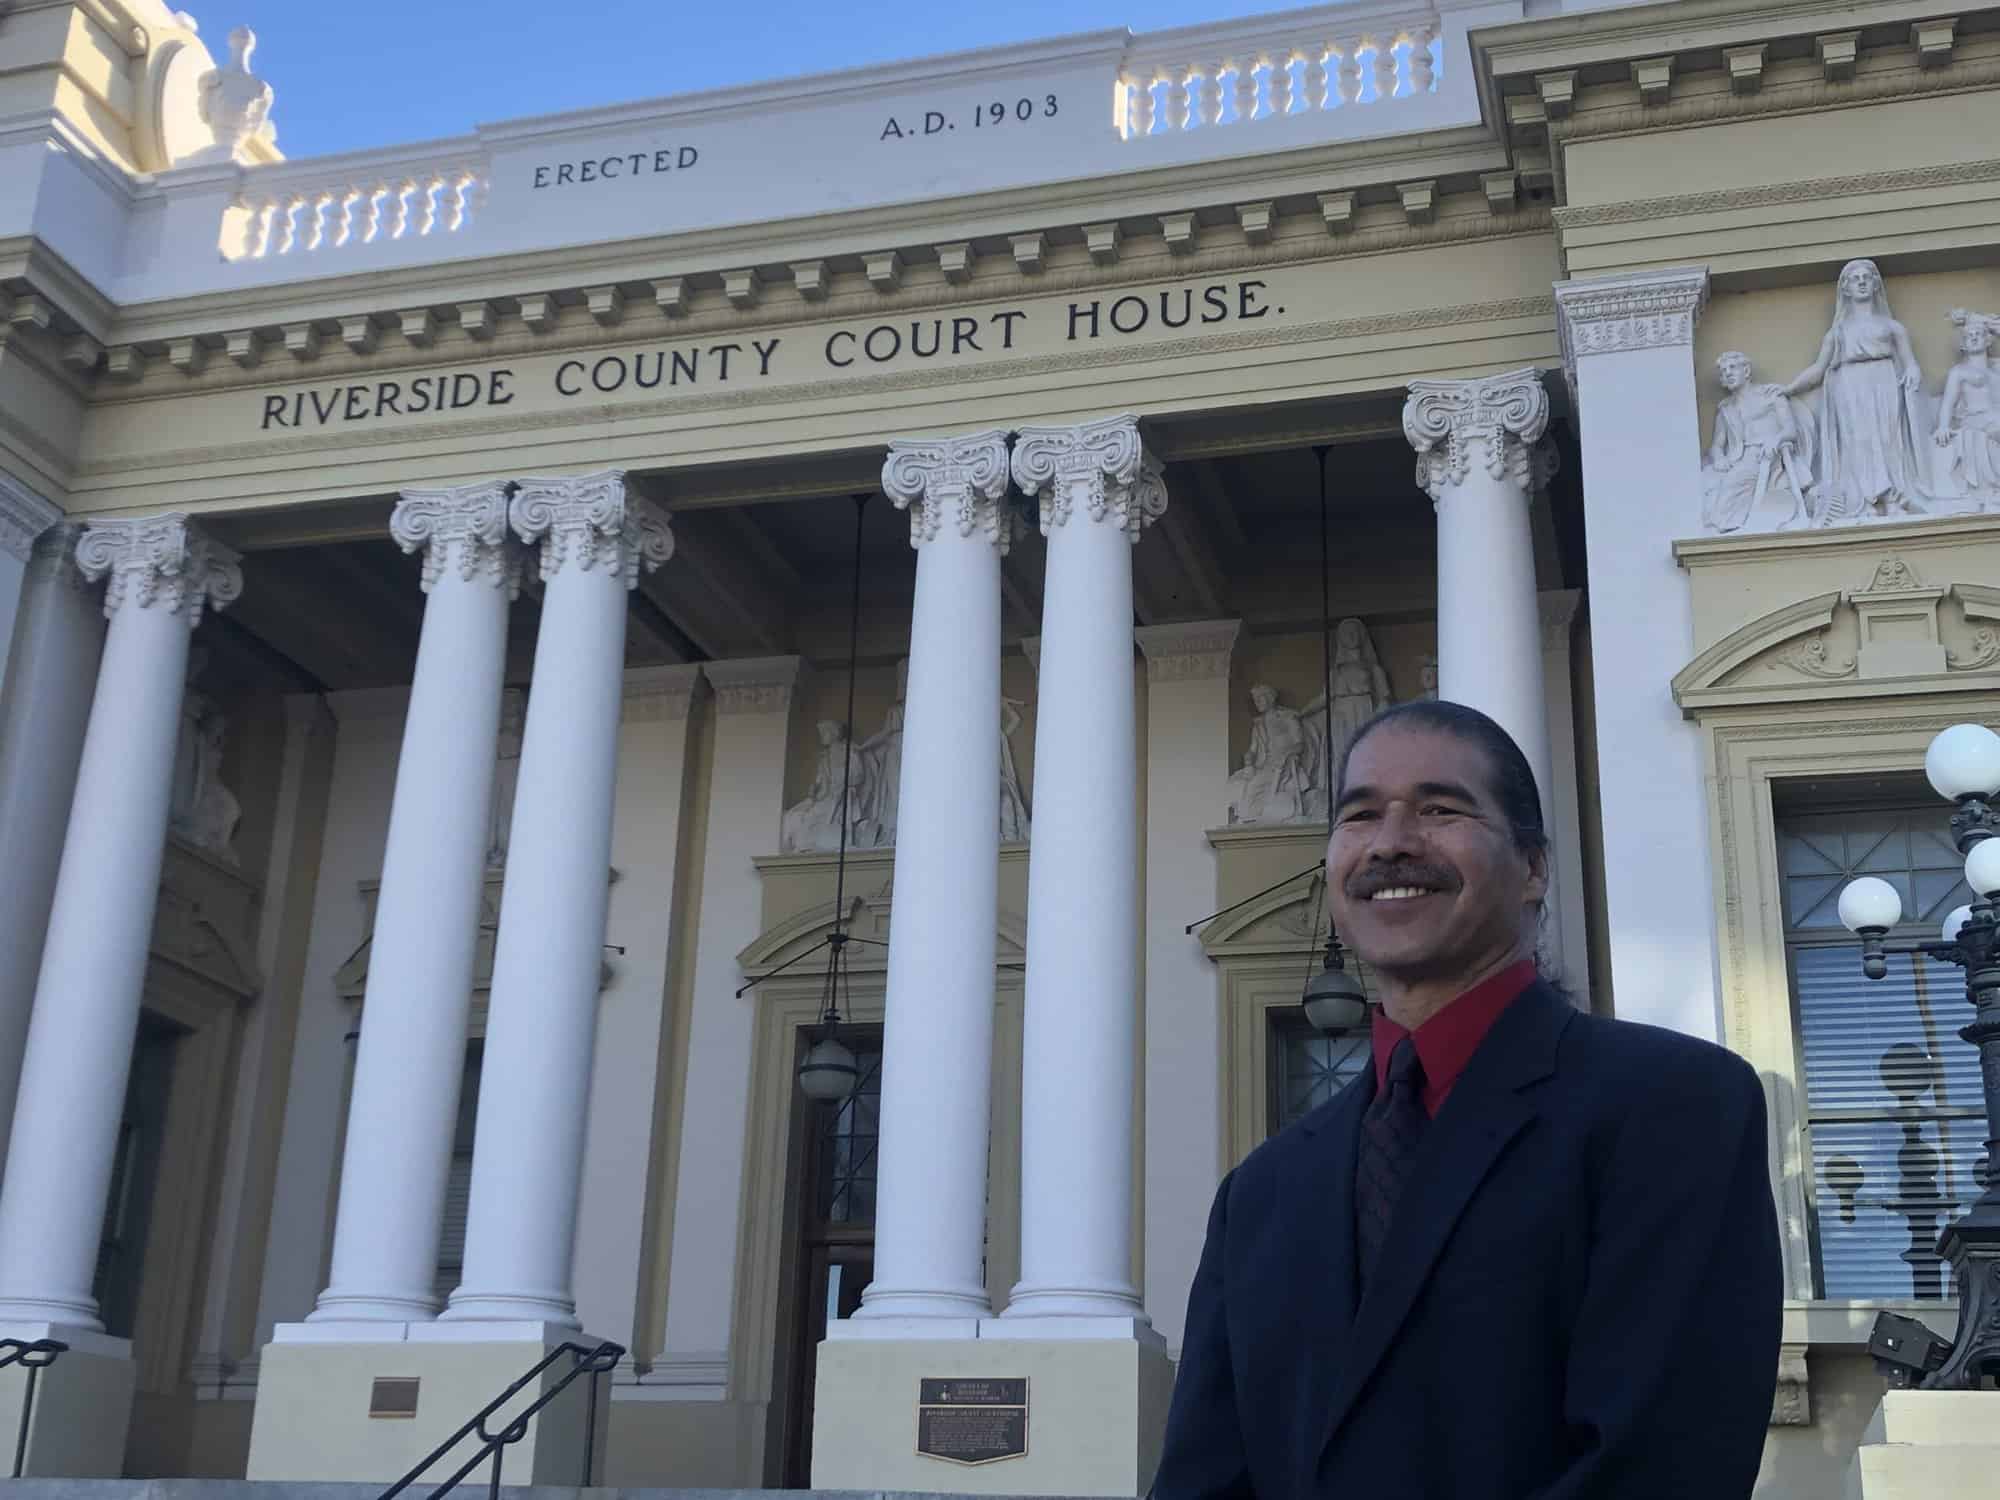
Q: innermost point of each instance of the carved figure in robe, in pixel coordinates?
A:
(882, 753)
(506, 775)
(813, 824)
(1762, 444)
(1968, 420)
(204, 811)
(1427, 678)
(1869, 380)
(1360, 690)
(1276, 774)
(1013, 805)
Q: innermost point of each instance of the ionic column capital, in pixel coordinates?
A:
(965, 475)
(1615, 314)
(1502, 415)
(24, 516)
(593, 521)
(1105, 463)
(462, 530)
(159, 561)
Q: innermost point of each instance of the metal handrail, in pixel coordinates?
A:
(32, 1355)
(586, 1359)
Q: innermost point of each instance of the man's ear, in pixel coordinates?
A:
(1538, 876)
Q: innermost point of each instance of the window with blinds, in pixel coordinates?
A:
(1892, 1096)
(1307, 1067)
(458, 1185)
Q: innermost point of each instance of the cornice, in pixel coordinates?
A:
(1030, 366)
(755, 684)
(655, 694)
(1870, 539)
(1188, 651)
(1616, 314)
(24, 515)
(1809, 190)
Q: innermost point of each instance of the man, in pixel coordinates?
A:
(1530, 1254)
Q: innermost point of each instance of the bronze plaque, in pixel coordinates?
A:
(972, 1421)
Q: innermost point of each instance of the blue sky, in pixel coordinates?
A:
(351, 74)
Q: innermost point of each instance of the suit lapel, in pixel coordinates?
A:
(1486, 1111)
(1326, 1235)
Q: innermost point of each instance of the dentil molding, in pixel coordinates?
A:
(966, 475)
(1188, 652)
(1502, 415)
(755, 684)
(1104, 463)
(1615, 314)
(462, 529)
(594, 521)
(24, 515)
(165, 560)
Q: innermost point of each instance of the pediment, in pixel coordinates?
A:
(205, 922)
(1287, 920)
(1895, 634)
(790, 940)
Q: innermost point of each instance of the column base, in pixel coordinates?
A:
(83, 1404)
(1097, 1413)
(1928, 1445)
(317, 1383)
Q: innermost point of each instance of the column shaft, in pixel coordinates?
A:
(44, 709)
(1080, 1027)
(93, 969)
(549, 960)
(1472, 439)
(937, 1049)
(411, 1056)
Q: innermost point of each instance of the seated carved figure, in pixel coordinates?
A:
(1763, 444)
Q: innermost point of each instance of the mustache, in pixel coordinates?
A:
(1366, 882)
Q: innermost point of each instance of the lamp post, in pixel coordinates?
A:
(1963, 765)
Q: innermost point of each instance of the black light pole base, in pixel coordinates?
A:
(1971, 1246)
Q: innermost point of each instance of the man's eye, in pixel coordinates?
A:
(1358, 815)
(1441, 810)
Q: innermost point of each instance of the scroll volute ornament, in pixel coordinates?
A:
(464, 530)
(1444, 419)
(594, 521)
(966, 475)
(166, 561)
(1105, 462)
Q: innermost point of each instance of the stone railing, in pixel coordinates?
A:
(1174, 82)
(348, 204)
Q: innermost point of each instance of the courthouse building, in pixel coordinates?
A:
(433, 579)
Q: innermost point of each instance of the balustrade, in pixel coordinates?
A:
(347, 212)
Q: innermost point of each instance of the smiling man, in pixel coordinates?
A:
(1530, 1254)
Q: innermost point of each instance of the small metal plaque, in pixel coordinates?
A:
(972, 1421)
(393, 1396)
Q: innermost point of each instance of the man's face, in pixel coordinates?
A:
(1423, 877)
(1734, 373)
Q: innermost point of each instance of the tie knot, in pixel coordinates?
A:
(1405, 1068)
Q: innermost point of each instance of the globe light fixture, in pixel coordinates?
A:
(1963, 764)
(829, 1072)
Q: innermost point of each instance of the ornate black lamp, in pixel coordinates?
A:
(829, 1071)
(1963, 764)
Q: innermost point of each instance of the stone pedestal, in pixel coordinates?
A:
(83, 1404)
(316, 1384)
(1929, 1445)
(1097, 1412)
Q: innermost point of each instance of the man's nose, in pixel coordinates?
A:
(1397, 833)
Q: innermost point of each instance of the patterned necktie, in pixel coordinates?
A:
(1391, 1132)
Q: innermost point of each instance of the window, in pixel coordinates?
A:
(458, 1185)
(1892, 1102)
(844, 1141)
(1307, 1067)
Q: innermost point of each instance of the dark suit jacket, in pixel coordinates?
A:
(1579, 1298)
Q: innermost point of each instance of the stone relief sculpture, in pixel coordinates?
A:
(1014, 825)
(813, 824)
(1968, 419)
(1427, 677)
(882, 751)
(203, 812)
(1360, 691)
(1274, 781)
(506, 775)
(1762, 445)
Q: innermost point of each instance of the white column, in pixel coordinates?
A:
(1187, 793)
(1629, 341)
(746, 802)
(1099, 489)
(160, 573)
(411, 1056)
(44, 706)
(1473, 439)
(548, 962)
(24, 516)
(937, 1038)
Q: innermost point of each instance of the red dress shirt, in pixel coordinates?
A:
(1446, 1042)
